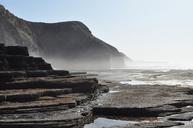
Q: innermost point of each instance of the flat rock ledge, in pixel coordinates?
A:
(158, 105)
(53, 101)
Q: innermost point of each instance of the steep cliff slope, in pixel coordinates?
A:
(68, 45)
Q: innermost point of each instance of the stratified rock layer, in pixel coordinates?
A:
(150, 106)
(33, 95)
(17, 58)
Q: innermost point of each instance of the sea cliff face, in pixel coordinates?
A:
(70, 44)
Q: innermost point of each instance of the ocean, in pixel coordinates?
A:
(168, 77)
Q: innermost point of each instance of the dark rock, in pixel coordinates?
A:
(6, 76)
(17, 62)
(37, 73)
(58, 72)
(104, 88)
(79, 85)
(3, 63)
(164, 110)
(85, 114)
(36, 110)
(123, 111)
(133, 112)
(2, 49)
(19, 74)
(16, 50)
(44, 67)
(17, 58)
(32, 94)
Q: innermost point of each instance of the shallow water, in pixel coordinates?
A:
(105, 122)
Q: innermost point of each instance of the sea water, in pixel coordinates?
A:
(105, 122)
(182, 78)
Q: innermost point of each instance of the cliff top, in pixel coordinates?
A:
(4, 12)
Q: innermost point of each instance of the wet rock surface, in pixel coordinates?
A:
(33, 95)
(45, 107)
(169, 106)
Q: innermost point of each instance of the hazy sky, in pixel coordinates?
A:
(151, 30)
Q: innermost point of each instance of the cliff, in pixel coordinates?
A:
(68, 45)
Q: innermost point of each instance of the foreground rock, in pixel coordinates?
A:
(33, 95)
(163, 106)
(39, 106)
(148, 99)
(36, 96)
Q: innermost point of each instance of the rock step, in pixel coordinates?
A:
(33, 95)
(58, 72)
(30, 94)
(20, 62)
(35, 110)
(44, 73)
(7, 76)
(46, 103)
(16, 50)
(50, 124)
(134, 112)
(2, 48)
(17, 58)
(57, 119)
(77, 85)
(40, 103)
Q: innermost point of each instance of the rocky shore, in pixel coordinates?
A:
(33, 95)
(150, 106)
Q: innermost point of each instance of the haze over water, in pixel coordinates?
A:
(158, 31)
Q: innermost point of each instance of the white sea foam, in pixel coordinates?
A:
(149, 77)
(160, 82)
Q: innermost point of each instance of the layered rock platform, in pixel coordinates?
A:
(33, 95)
(149, 106)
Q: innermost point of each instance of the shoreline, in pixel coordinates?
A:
(168, 106)
(147, 105)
